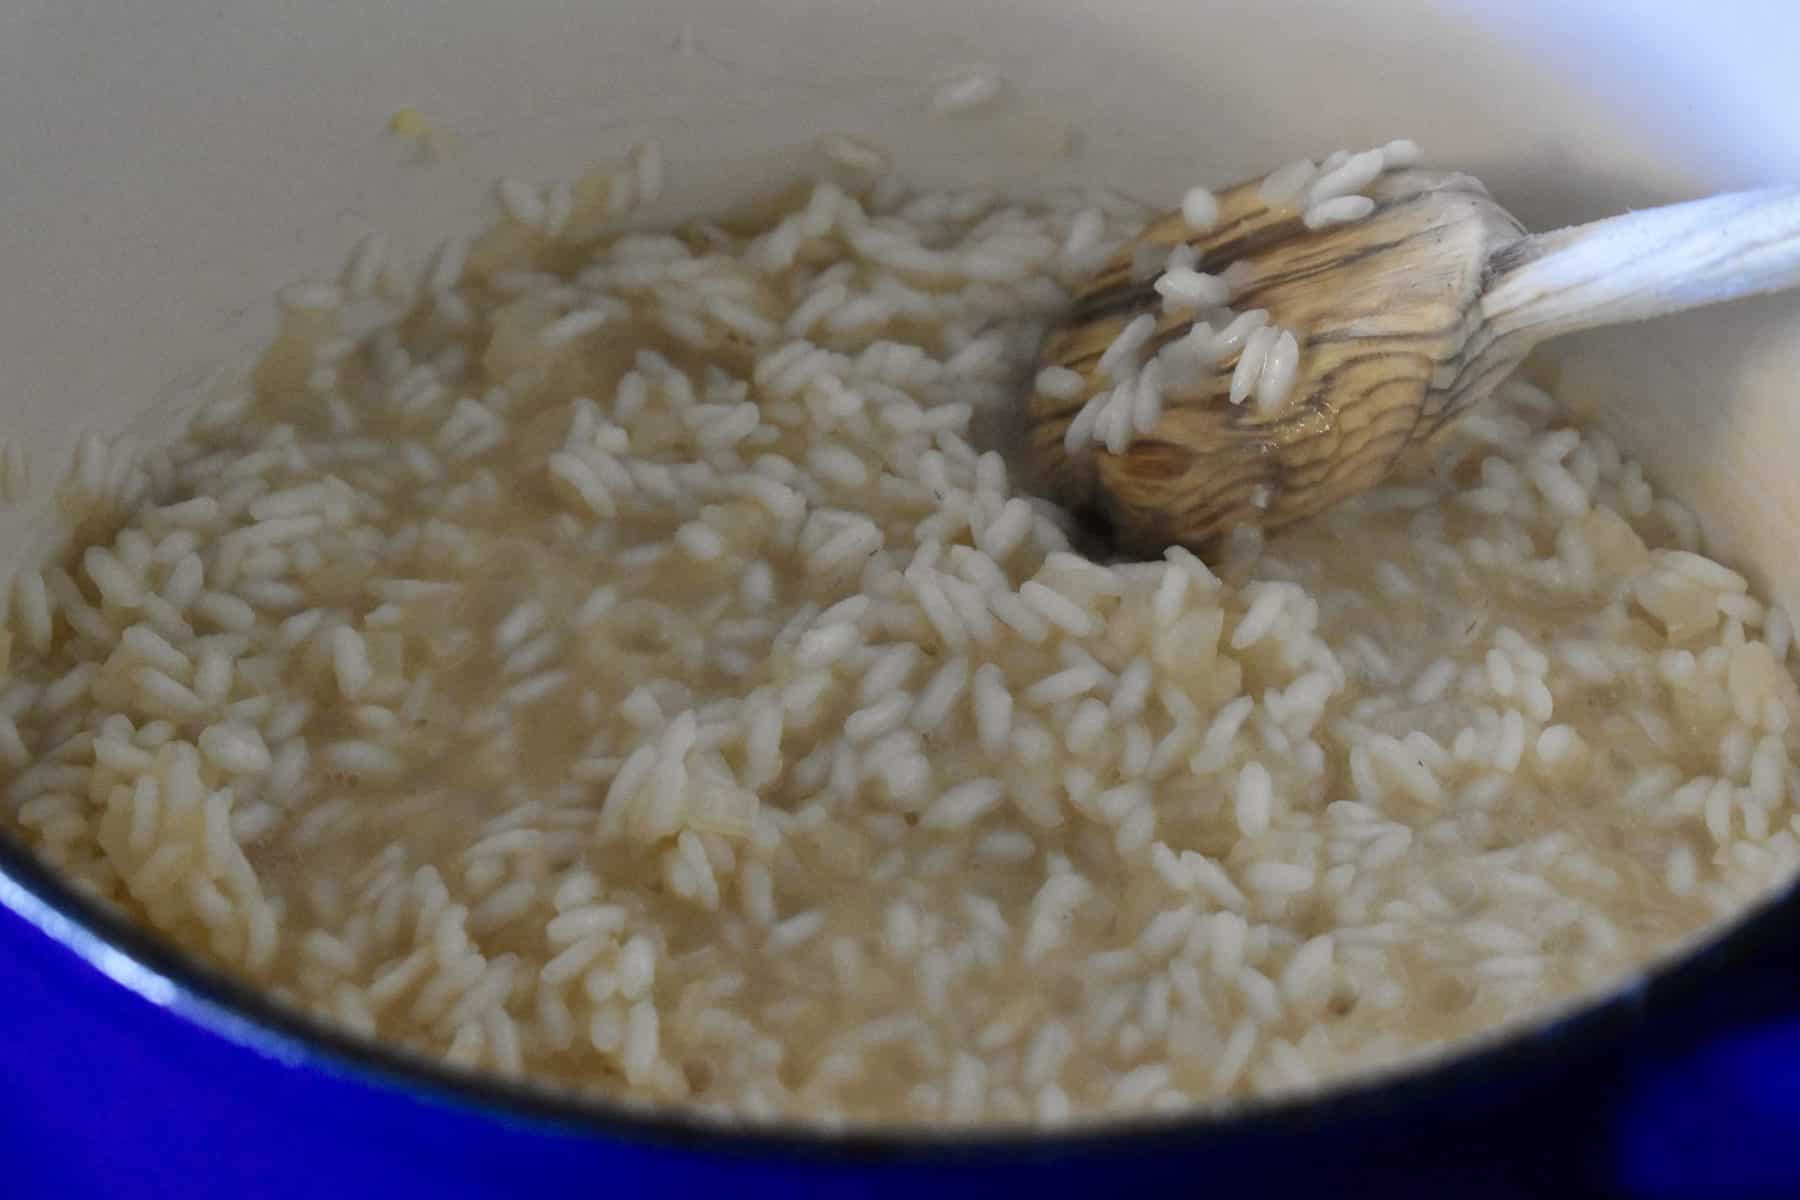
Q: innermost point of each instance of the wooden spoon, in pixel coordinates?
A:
(1404, 319)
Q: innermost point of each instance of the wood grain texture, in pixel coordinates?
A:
(1392, 344)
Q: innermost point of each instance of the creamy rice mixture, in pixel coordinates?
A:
(634, 663)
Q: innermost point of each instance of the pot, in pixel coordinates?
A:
(163, 168)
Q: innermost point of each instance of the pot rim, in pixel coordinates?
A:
(144, 962)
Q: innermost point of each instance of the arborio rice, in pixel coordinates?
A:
(630, 663)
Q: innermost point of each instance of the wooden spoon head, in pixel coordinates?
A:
(1391, 344)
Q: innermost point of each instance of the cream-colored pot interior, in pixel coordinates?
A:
(164, 166)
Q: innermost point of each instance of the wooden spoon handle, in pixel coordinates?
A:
(1645, 264)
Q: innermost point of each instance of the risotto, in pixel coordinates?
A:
(633, 662)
